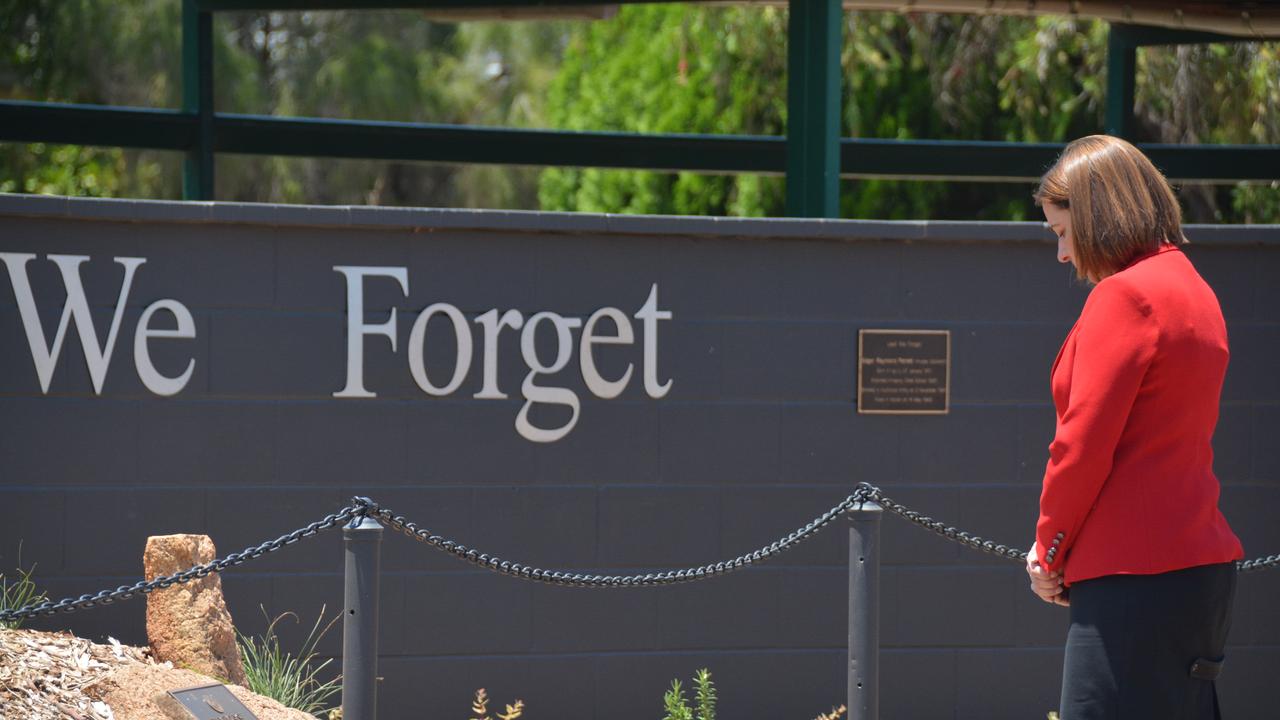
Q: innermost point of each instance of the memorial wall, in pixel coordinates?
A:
(590, 393)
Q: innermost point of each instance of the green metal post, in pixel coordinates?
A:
(1122, 68)
(197, 97)
(813, 108)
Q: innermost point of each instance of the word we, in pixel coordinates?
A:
(97, 356)
(492, 323)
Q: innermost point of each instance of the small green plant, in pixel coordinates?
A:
(18, 592)
(677, 707)
(673, 701)
(284, 677)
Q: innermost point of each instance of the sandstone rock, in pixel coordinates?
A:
(188, 624)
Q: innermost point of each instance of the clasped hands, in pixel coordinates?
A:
(1046, 584)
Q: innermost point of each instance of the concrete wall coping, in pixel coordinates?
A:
(526, 221)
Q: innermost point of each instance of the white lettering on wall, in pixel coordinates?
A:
(97, 356)
(417, 338)
(492, 323)
(155, 382)
(492, 326)
(535, 388)
(357, 328)
(595, 383)
(650, 315)
(534, 393)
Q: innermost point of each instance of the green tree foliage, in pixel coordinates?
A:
(1214, 94)
(957, 77)
(664, 68)
(671, 69)
(367, 65)
(398, 66)
(129, 58)
(652, 68)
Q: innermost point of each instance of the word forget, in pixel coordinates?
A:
(492, 323)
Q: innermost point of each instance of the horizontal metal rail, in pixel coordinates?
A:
(131, 127)
(163, 129)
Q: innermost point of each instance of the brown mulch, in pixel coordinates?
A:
(58, 676)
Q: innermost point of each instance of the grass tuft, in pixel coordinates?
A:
(18, 593)
(288, 678)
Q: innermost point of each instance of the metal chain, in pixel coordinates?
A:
(362, 506)
(1018, 555)
(1270, 562)
(124, 592)
(951, 533)
(556, 577)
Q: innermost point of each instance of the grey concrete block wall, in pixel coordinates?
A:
(758, 435)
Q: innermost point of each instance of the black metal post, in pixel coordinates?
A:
(864, 612)
(362, 539)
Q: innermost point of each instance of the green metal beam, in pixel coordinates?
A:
(197, 100)
(1216, 163)
(256, 134)
(967, 160)
(148, 128)
(860, 157)
(1145, 35)
(813, 108)
(1026, 162)
(1122, 68)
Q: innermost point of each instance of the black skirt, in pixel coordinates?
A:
(1145, 646)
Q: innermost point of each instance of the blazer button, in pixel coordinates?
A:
(1056, 541)
(1061, 535)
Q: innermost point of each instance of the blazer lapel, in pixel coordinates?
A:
(1053, 370)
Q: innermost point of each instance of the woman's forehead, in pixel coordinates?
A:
(1056, 215)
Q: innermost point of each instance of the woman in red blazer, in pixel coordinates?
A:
(1129, 535)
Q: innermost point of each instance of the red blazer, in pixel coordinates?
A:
(1129, 487)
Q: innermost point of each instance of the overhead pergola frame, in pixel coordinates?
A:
(812, 155)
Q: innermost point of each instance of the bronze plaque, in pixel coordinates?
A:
(904, 372)
(212, 702)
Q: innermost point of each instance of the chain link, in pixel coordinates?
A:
(875, 494)
(124, 592)
(1018, 555)
(1270, 562)
(557, 577)
(362, 507)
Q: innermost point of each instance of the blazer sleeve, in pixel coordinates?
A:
(1115, 343)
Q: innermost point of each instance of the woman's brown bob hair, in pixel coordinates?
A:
(1121, 206)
